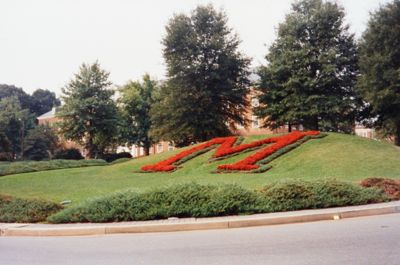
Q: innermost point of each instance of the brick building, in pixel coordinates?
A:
(254, 128)
(50, 119)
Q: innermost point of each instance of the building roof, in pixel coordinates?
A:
(47, 115)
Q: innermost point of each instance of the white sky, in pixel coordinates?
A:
(43, 42)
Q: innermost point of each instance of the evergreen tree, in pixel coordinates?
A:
(311, 70)
(89, 115)
(205, 94)
(379, 83)
(136, 100)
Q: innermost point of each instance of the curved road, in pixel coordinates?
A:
(368, 240)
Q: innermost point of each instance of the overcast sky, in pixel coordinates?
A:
(43, 42)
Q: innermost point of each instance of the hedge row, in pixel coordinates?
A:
(33, 166)
(195, 200)
(15, 210)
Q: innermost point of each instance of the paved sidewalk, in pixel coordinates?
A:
(186, 224)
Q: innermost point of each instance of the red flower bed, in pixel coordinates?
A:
(249, 163)
(167, 165)
(227, 148)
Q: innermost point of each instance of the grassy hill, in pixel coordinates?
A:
(339, 156)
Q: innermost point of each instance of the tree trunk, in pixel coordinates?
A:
(397, 135)
(146, 150)
(311, 124)
(90, 148)
(316, 125)
(289, 127)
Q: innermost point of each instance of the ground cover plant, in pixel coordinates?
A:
(343, 157)
(16, 210)
(195, 200)
(34, 166)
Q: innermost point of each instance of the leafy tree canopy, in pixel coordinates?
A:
(136, 100)
(14, 125)
(40, 143)
(379, 83)
(311, 70)
(205, 94)
(43, 101)
(40, 102)
(89, 115)
(7, 91)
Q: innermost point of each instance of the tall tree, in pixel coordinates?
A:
(205, 94)
(14, 125)
(311, 70)
(43, 101)
(89, 115)
(379, 83)
(136, 100)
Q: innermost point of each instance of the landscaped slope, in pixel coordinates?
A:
(337, 156)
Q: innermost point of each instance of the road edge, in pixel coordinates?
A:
(190, 224)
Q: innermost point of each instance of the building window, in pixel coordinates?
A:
(254, 102)
(240, 126)
(170, 146)
(159, 148)
(141, 151)
(254, 122)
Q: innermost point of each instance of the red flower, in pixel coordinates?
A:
(227, 148)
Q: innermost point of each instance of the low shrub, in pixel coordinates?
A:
(390, 187)
(68, 154)
(296, 195)
(34, 166)
(112, 157)
(120, 160)
(15, 210)
(5, 157)
(195, 200)
(186, 200)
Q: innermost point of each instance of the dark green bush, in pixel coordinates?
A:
(68, 154)
(34, 166)
(112, 157)
(40, 143)
(296, 195)
(290, 195)
(120, 160)
(195, 200)
(14, 210)
(184, 200)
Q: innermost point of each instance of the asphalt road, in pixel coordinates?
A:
(368, 240)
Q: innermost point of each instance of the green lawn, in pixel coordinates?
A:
(337, 156)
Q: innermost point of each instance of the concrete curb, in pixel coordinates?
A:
(188, 224)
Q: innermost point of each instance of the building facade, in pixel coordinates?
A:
(254, 128)
(50, 119)
(365, 132)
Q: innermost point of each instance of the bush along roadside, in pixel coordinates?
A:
(34, 166)
(15, 210)
(195, 200)
(390, 187)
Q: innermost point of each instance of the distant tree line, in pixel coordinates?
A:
(20, 136)
(317, 77)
